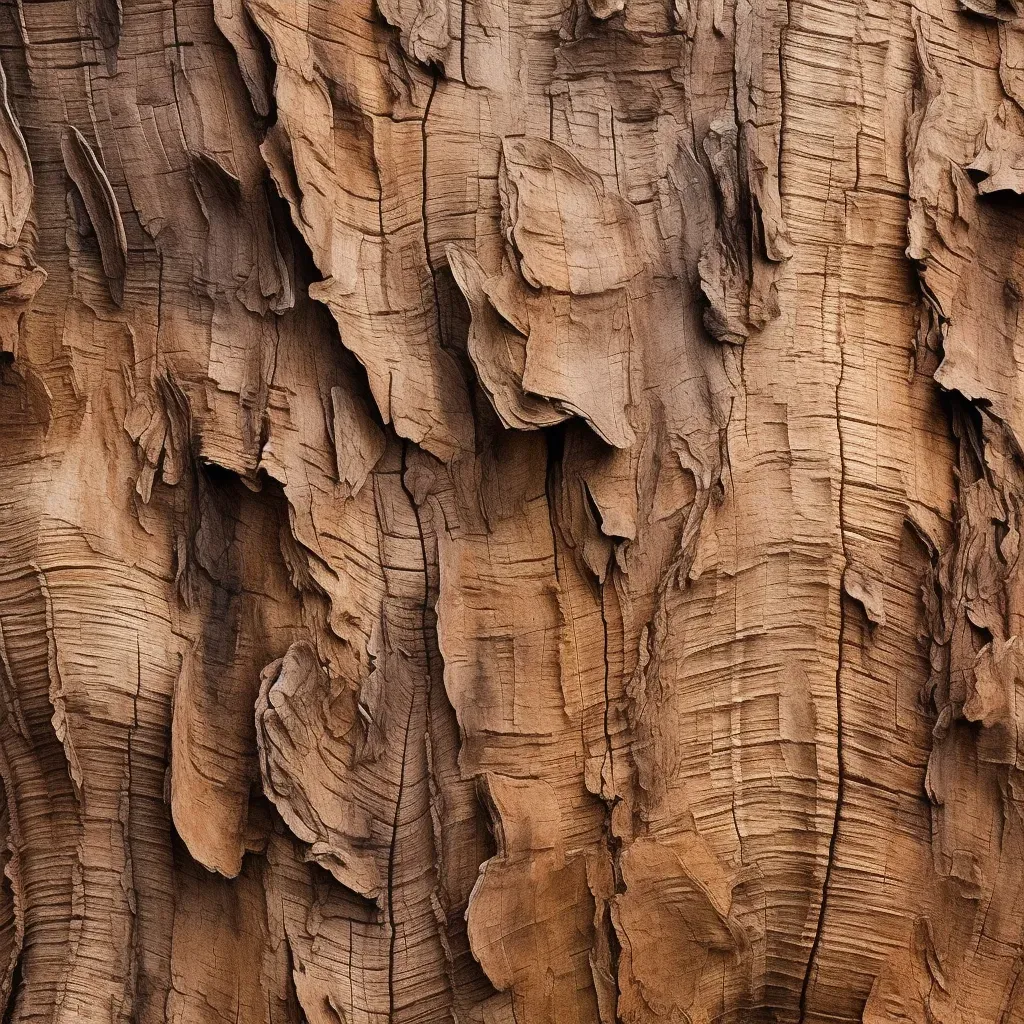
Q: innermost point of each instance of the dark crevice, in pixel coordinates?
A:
(833, 839)
(451, 312)
(349, 370)
(607, 674)
(16, 987)
(423, 195)
(555, 437)
(840, 765)
(613, 843)
(392, 925)
(615, 153)
(554, 445)
(462, 42)
(783, 40)
(429, 632)
(269, 62)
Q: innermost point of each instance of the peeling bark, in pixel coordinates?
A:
(510, 512)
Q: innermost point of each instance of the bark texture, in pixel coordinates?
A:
(510, 511)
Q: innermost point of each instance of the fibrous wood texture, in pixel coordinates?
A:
(510, 511)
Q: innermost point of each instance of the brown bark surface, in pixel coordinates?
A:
(510, 511)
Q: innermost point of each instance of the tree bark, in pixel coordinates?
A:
(510, 511)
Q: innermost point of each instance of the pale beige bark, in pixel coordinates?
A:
(510, 511)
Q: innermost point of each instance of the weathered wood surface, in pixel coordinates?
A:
(510, 511)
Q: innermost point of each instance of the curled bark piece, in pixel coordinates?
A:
(20, 279)
(911, 984)
(1000, 10)
(998, 165)
(1011, 60)
(107, 17)
(605, 9)
(580, 355)
(234, 21)
(159, 422)
(302, 763)
(358, 442)
(213, 749)
(12, 897)
(497, 347)
(740, 254)
(673, 923)
(366, 143)
(61, 720)
(581, 252)
(570, 233)
(993, 701)
(209, 813)
(94, 187)
(867, 592)
(16, 183)
(424, 25)
(531, 912)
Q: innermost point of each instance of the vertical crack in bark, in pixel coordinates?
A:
(462, 40)
(783, 89)
(129, 1008)
(392, 926)
(423, 215)
(16, 988)
(550, 479)
(840, 766)
(425, 627)
(608, 753)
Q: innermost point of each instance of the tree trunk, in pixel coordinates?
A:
(511, 511)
